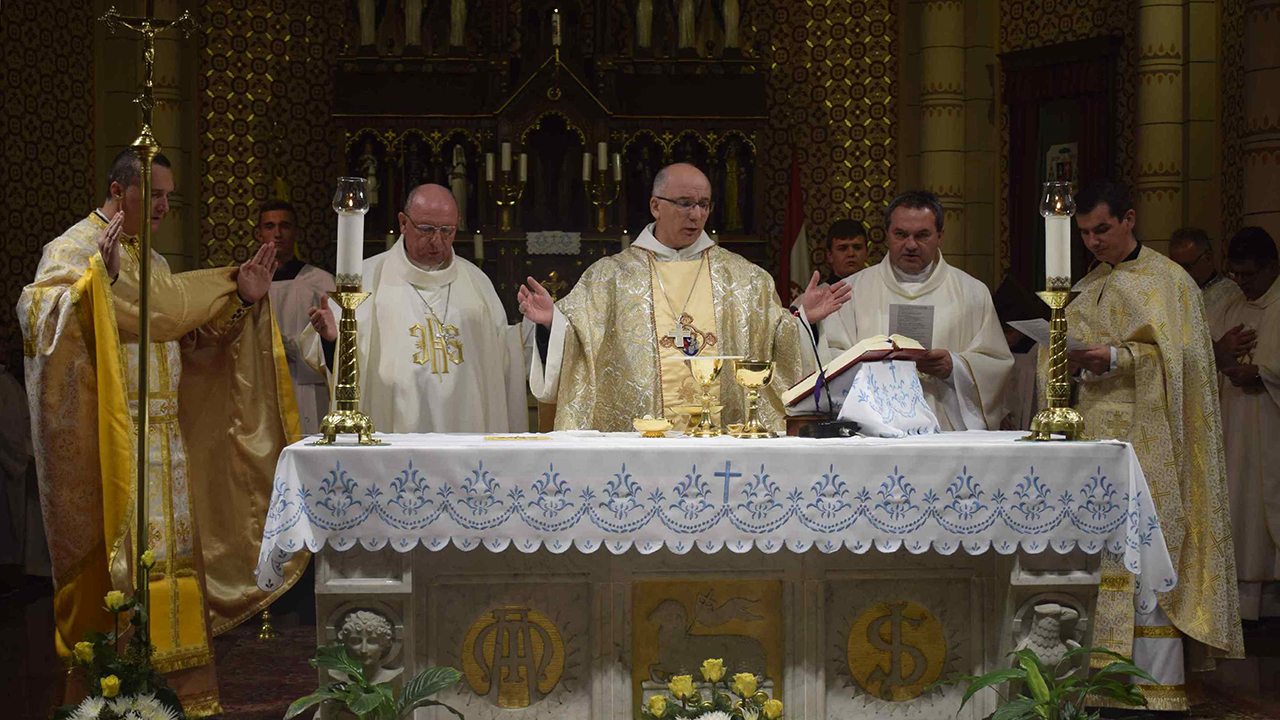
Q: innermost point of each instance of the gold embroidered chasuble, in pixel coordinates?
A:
(1162, 398)
(221, 409)
(614, 366)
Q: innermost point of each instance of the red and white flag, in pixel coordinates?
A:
(796, 263)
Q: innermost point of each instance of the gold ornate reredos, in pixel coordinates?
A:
(513, 656)
(905, 638)
(537, 123)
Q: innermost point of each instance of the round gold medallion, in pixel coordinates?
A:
(896, 650)
(514, 655)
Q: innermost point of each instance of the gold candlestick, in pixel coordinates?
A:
(602, 192)
(506, 194)
(346, 417)
(1059, 418)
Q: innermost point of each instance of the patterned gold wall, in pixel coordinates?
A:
(832, 94)
(1035, 23)
(266, 90)
(832, 81)
(48, 179)
(1232, 114)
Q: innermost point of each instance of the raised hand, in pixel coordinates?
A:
(322, 320)
(936, 362)
(819, 301)
(253, 280)
(536, 303)
(1235, 344)
(1243, 375)
(108, 242)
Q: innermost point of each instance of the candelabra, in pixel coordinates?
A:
(602, 192)
(1059, 418)
(506, 194)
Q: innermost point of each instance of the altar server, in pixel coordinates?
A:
(219, 419)
(1250, 390)
(1191, 248)
(436, 353)
(296, 287)
(613, 349)
(914, 292)
(1147, 376)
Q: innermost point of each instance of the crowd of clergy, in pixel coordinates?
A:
(1178, 357)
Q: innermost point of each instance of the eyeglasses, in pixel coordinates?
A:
(688, 204)
(446, 231)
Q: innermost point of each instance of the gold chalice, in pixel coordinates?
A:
(753, 375)
(705, 371)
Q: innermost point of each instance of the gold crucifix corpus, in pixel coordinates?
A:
(146, 148)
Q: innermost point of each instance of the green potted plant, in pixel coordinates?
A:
(1055, 694)
(369, 701)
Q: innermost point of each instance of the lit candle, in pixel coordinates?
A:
(555, 27)
(586, 167)
(626, 241)
(478, 244)
(488, 167)
(617, 167)
(602, 155)
(350, 242)
(1057, 248)
(506, 157)
(524, 167)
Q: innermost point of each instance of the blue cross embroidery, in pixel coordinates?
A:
(728, 475)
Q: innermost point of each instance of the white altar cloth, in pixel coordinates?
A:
(972, 490)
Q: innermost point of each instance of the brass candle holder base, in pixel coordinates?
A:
(753, 375)
(346, 417)
(1059, 418)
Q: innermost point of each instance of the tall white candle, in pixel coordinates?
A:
(506, 157)
(602, 156)
(626, 241)
(524, 167)
(586, 167)
(555, 27)
(478, 244)
(350, 243)
(617, 167)
(488, 167)
(1057, 247)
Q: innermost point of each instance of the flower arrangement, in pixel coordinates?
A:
(740, 698)
(374, 702)
(121, 685)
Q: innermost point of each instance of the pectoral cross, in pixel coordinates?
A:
(680, 336)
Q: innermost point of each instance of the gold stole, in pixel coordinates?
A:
(678, 387)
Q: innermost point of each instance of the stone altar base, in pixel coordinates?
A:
(588, 636)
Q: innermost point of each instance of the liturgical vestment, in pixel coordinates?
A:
(1250, 428)
(1162, 396)
(1219, 292)
(618, 340)
(297, 288)
(221, 410)
(964, 322)
(436, 353)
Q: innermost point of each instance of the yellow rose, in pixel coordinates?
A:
(712, 670)
(681, 687)
(84, 652)
(657, 705)
(773, 709)
(115, 601)
(744, 684)
(148, 559)
(110, 686)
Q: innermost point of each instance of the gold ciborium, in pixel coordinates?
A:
(705, 371)
(753, 375)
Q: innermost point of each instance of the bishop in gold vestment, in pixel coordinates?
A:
(614, 348)
(221, 409)
(1148, 378)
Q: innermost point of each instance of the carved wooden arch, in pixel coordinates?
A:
(523, 135)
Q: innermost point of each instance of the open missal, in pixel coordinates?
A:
(872, 349)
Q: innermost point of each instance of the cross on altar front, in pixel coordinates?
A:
(680, 336)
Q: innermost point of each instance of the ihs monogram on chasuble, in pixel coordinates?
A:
(444, 346)
(687, 337)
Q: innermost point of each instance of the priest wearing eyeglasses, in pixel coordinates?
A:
(436, 353)
(614, 348)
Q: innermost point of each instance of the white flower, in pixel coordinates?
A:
(162, 712)
(90, 709)
(715, 715)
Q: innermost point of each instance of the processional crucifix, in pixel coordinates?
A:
(146, 148)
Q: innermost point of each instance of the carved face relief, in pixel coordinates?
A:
(367, 637)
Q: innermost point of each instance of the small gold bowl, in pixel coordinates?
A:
(651, 427)
(734, 428)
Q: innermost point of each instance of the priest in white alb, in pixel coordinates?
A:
(436, 353)
(613, 349)
(296, 287)
(914, 292)
(1248, 358)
